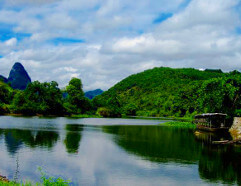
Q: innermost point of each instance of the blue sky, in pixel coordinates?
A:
(162, 17)
(104, 41)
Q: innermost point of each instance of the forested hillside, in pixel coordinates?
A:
(173, 92)
(156, 92)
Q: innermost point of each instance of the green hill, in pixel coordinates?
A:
(162, 92)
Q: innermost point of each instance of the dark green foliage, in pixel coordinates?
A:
(221, 95)
(214, 70)
(6, 95)
(39, 98)
(76, 102)
(156, 92)
(173, 92)
(104, 112)
(45, 99)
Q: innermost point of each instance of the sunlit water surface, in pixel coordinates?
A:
(114, 152)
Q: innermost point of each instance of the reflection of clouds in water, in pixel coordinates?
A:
(119, 155)
(99, 162)
(41, 123)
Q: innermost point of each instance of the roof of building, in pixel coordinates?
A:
(210, 114)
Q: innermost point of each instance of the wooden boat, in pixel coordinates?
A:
(210, 129)
(212, 122)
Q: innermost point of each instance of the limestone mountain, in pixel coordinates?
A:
(18, 77)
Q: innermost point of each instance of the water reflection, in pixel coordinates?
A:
(155, 143)
(73, 137)
(120, 154)
(217, 163)
(15, 138)
(11, 142)
(208, 138)
(221, 163)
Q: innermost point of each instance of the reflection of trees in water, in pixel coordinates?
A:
(221, 164)
(14, 138)
(155, 143)
(208, 137)
(73, 137)
(11, 142)
(164, 144)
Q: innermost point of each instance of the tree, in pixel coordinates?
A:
(221, 95)
(76, 102)
(39, 98)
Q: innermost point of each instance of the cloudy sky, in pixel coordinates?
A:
(104, 41)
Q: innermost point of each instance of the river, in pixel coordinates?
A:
(114, 152)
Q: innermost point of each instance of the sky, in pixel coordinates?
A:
(104, 41)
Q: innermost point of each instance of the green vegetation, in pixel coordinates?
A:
(45, 99)
(76, 102)
(179, 124)
(6, 95)
(159, 92)
(46, 181)
(39, 98)
(173, 92)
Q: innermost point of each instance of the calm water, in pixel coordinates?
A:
(114, 152)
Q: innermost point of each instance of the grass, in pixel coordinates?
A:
(46, 181)
(180, 124)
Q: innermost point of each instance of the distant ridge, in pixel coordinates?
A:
(2, 78)
(92, 94)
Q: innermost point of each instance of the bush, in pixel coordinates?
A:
(104, 112)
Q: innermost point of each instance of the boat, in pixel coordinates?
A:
(211, 122)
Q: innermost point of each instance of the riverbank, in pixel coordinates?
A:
(41, 115)
(171, 119)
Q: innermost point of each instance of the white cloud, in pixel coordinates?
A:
(11, 42)
(120, 38)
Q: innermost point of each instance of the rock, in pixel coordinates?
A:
(18, 77)
(235, 130)
(93, 93)
(3, 179)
